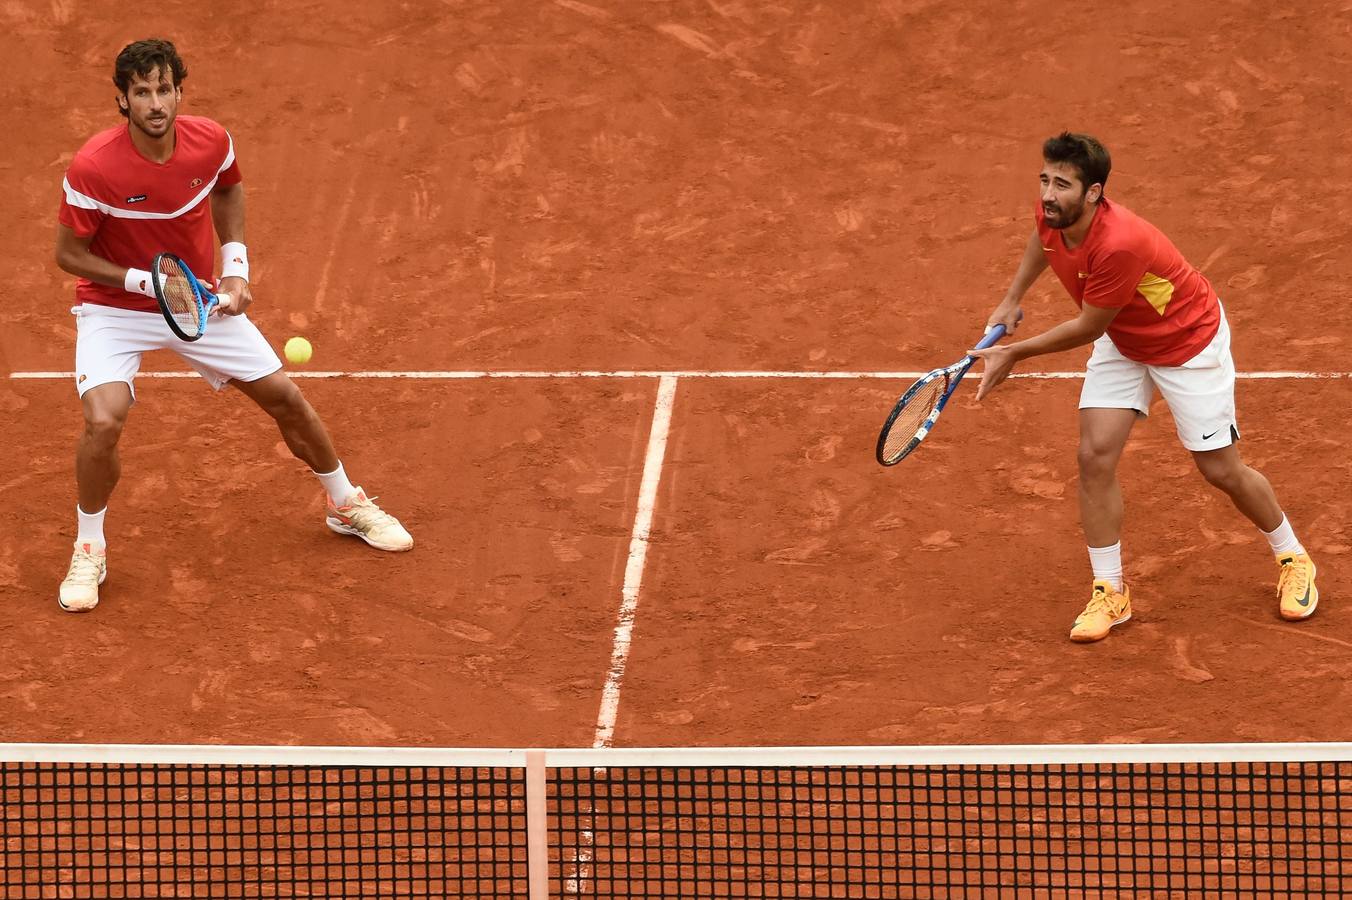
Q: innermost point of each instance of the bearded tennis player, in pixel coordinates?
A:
(1156, 324)
(164, 182)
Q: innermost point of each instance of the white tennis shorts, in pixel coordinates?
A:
(111, 341)
(1200, 393)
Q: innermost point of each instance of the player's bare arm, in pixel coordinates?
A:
(227, 214)
(75, 258)
(999, 360)
(1032, 264)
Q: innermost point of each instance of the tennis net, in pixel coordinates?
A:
(1015, 821)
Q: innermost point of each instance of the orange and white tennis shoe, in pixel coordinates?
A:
(1107, 607)
(359, 515)
(88, 570)
(1296, 594)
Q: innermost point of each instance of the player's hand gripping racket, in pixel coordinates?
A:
(919, 408)
(183, 299)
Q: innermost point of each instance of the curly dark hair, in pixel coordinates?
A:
(141, 58)
(1083, 152)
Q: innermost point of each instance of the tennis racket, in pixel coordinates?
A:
(919, 408)
(183, 299)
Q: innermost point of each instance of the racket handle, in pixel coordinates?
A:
(996, 332)
(212, 300)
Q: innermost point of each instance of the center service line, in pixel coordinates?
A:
(638, 552)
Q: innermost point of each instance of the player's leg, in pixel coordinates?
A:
(1252, 495)
(108, 352)
(1116, 393)
(97, 464)
(348, 509)
(1103, 437)
(1201, 395)
(233, 351)
(296, 419)
(97, 469)
(1248, 490)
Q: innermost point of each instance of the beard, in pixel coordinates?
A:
(1062, 217)
(154, 128)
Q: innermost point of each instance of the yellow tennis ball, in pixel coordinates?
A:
(298, 350)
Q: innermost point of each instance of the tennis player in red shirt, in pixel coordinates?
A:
(1155, 323)
(169, 183)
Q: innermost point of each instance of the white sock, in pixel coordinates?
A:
(1282, 539)
(1107, 564)
(91, 526)
(336, 484)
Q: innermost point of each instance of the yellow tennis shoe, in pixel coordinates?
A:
(1296, 594)
(88, 570)
(1107, 607)
(358, 515)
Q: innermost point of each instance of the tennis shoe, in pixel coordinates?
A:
(358, 515)
(88, 570)
(1107, 607)
(1297, 595)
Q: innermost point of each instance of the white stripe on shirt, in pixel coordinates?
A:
(84, 201)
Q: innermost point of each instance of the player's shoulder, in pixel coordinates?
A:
(92, 164)
(1122, 230)
(196, 126)
(207, 137)
(100, 148)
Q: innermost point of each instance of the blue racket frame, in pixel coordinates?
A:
(205, 301)
(953, 374)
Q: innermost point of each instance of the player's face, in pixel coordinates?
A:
(1064, 196)
(151, 103)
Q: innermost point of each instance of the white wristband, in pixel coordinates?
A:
(138, 282)
(234, 260)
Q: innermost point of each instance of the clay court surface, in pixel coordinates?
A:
(682, 187)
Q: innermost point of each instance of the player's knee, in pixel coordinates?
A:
(285, 403)
(103, 426)
(1096, 462)
(1224, 476)
(291, 407)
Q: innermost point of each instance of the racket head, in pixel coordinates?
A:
(905, 427)
(181, 298)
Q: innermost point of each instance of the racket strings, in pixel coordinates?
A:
(180, 295)
(913, 415)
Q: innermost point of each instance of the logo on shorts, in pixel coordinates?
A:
(194, 183)
(137, 199)
(82, 379)
(1207, 437)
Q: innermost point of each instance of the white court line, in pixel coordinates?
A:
(638, 552)
(657, 373)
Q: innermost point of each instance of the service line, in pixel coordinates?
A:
(658, 373)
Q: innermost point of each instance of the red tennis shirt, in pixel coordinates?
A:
(135, 208)
(1169, 311)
